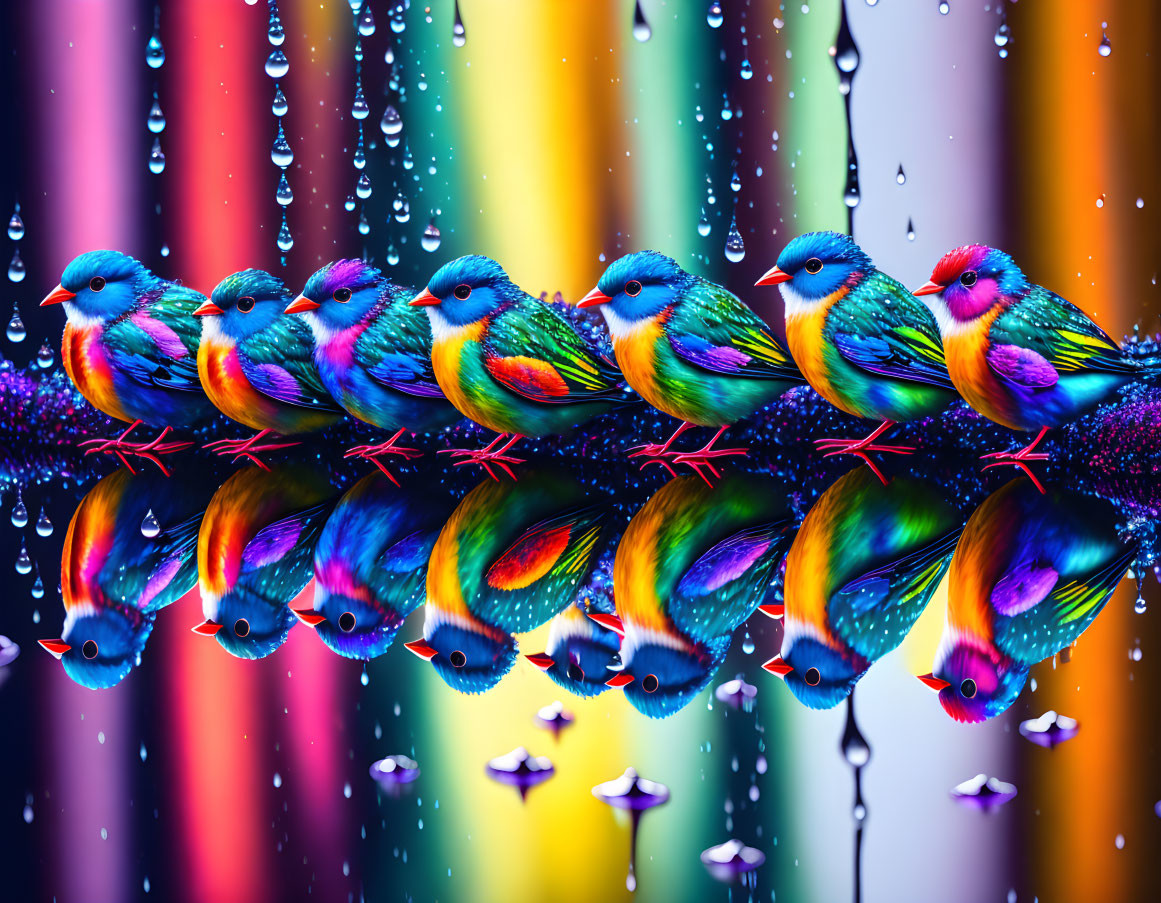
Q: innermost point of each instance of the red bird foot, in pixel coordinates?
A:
(701, 458)
(248, 448)
(1020, 458)
(860, 446)
(151, 451)
(658, 451)
(373, 452)
(488, 457)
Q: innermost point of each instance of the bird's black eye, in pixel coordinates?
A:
(462, 292)
(575, 671)
(342, 295)
(245, 304)
(632, 288)
(347, 621)
(89, 650)
(968, 688)
(814, 265)
(650, 683)
(97, 283)
(812, 677)
(458, 659)
(242, 627)
(968, 279)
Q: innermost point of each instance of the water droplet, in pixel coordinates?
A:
(366, 21)
(16, 273)
(16, 330)
(156, 158)
(43, 524)
(391, 125)
(1003, 34)
(285, 240)
(910, 230)
(277, 65)
(19, 512)
(703, 224)
(283, 195)
(1104, 48)
(735, 247)
(16, 225)
(736, 182)
(349, 203)
(459, 35)
(364, 226)
(155, 122)
(154, 52)
(392, 255)
(431, 237)
(364, 680)
(944, 7)
(641, 30)
(279, 106)
(150, 528)
(280, 152)
(363, 186)
(747, 71)
(398, 23)
(408, 160)
(276, 34)
(359, 108)
(144, 755)
(38, 587)
(23, 562)
(1119, 841)
(402, 208)
(854, 747)
(277, 779)
(45, 356)
(713, 16)
(748, 644)
(900, 176)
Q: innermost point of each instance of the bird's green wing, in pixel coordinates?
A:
(712, 329)
(882, 328)
(157, 344)
(533, 351)
(279, 363)
(395, 349)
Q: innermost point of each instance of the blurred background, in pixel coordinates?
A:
(554, 137)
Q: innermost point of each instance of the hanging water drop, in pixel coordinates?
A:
(431, 237)
(736, 182)
(156, 158)
(392, 255)
(277, 65)
(900, 176)
(154, 52)
(366, 21)
(1104, 48)
(359, 159)
(459, 36)
(735, 247)
(19, 512)
(910, 230)
(703, 224)
(276, 34)
(641, 30)
(402, 208)
(43, 524)
(1003, 34)
(363, 186)
(279, 106)
(38, 587)
(16, 270)
(360, 108)
(155, 122)
(150, 528)
(16, 225)
(391, 125)
(355, 5)
(285, 241)
(45, 357)
(283, 195)
(16, 331)
(23, 561)
(713, 16)
(281, 153)
(364, 226)
(748, 644)
(944, 7)
(408, 160)
(747, 71)
(349, 203)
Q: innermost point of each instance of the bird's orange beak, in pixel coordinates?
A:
(775, 276)
(55, 648)
(421, 647)
(301, 304)
(778, 666)
(208, 309)
(207, 628)
(932, 681)
(929, 288)
(610, 622)
(541, 660)
(773, 611)
(424, 299)
(593, 298)
(309, 616)
(619, 680)
(56, 296)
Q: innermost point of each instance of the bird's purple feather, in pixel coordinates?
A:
(1022, 366)
(271, 543)
(1025, 585)
(717, 358)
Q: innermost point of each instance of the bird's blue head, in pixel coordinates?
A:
(105, 644)
(355, 626)
(578, 653)
(818, 676)
(666, 679)
(101, 285)
(976, 685)
(253, 626)
(245, 303)
(638, 287)
(469, 660)
(467, 290)
(341, 294)
(816, 265)
(968, 281)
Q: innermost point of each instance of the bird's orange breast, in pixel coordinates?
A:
(88, 367)
(804, 338)
(226, 385)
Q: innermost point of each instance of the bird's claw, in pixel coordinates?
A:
(151, 451)
(650, 450)
(858, 446)
(1022, 463)
(487, 459)
(247, 448)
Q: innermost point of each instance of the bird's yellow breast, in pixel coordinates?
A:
(447, 351)
(88, 367)
(804, 338)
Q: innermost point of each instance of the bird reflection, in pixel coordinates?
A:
(370, 566)
(864, 565)
(116, 574)
(1030, 574)
(254, 555)
(693, 564)
(510, 557)
(579, 650)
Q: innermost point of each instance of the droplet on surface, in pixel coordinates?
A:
(737, 693)
(554, 717)
(1050, 729)
(150, 528)
(983, 793)
(8, 651)
(641, 30)
(521, 770)
(728, 862)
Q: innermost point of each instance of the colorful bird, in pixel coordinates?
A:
(255, 550)
(865, 563)
(1030, 574)
(1018, 353)
(373, 353)
(131, 349)
(370, 566)
(257, 365)
(580, 651)
(862, 341)
(511, 556)
(693, 564)
(116, 573)
(689, 348)
(509, 361)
